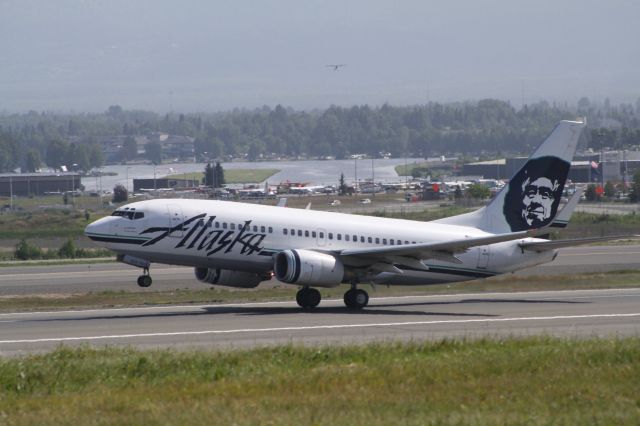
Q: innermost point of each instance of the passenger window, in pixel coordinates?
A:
(217, 224)
(271, 230)
(232, 226)
(391, 241)
(346, 237)
(355, 238)
(322, 235)
(340, 236)
(284, 231)
(370, 240)
(384, 241)
(255, 228)
(293, 232)
(306, 233)
(262, 229)
(313, 234)
(330, 236)
(224, 225)
(377, 240)
(362, 238)
(299, 232)
(406, 242)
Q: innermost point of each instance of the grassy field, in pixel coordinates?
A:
(42, 224)
(403, 170)
(505, 283)
(235, 175)
(508, 381)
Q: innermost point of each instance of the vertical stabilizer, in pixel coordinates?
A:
(531, 198)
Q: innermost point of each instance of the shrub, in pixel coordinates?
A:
(120, 194)
(26, 251)
(68, 250)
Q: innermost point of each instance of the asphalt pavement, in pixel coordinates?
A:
(576, 313)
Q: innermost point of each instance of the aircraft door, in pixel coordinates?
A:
(484, 253)
(176, 220)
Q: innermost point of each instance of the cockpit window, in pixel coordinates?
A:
(131, 214)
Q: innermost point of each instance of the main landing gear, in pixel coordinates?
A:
(145, 280)
(356, 298)
(308, 298)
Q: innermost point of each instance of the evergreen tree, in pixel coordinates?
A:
(218, 175)
(342, 186)
(32, 161)
(634, 194)
(208, 175)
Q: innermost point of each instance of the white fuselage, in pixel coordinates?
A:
(245, 237)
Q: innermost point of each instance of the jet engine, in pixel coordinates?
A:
(308, 267)
(228, 277)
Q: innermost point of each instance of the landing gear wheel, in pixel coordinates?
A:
(356, 298)
(308, 298)
(144, 280)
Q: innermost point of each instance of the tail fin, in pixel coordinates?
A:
(531, 198)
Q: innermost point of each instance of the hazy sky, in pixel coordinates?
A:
(84, 55)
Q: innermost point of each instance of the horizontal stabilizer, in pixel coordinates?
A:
(551, 245)
(562, 219)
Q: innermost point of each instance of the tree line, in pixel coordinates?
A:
(467, 128)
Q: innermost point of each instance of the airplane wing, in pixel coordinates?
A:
(540, 246)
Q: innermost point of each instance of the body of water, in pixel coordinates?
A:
(313, 172)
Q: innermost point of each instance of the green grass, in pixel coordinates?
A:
(507, 381)
(403, 170)
(504, 283)
(234, 175)
(43, 224)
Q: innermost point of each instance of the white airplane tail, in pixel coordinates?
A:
(530, 200)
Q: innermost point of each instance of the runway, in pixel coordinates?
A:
(575, 313)
(74, 279)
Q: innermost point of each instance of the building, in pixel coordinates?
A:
(502, 169)
(164, 183)
(26, 184)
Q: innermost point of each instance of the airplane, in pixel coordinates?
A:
(240, 245)
(336, 66)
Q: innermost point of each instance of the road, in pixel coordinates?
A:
(70, 279)
(573, 313)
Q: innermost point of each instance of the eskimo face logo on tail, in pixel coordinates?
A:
(534, 193)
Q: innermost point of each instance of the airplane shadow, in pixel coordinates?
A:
(377, 309)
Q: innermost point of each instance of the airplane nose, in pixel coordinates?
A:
(97, 229)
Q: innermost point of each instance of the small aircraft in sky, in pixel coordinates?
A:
(336, 66)
(240, 245)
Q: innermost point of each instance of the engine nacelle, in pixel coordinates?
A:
(308, 267)
(228, 277)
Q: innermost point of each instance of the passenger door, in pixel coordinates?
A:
(484, 253)
(176, 220)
